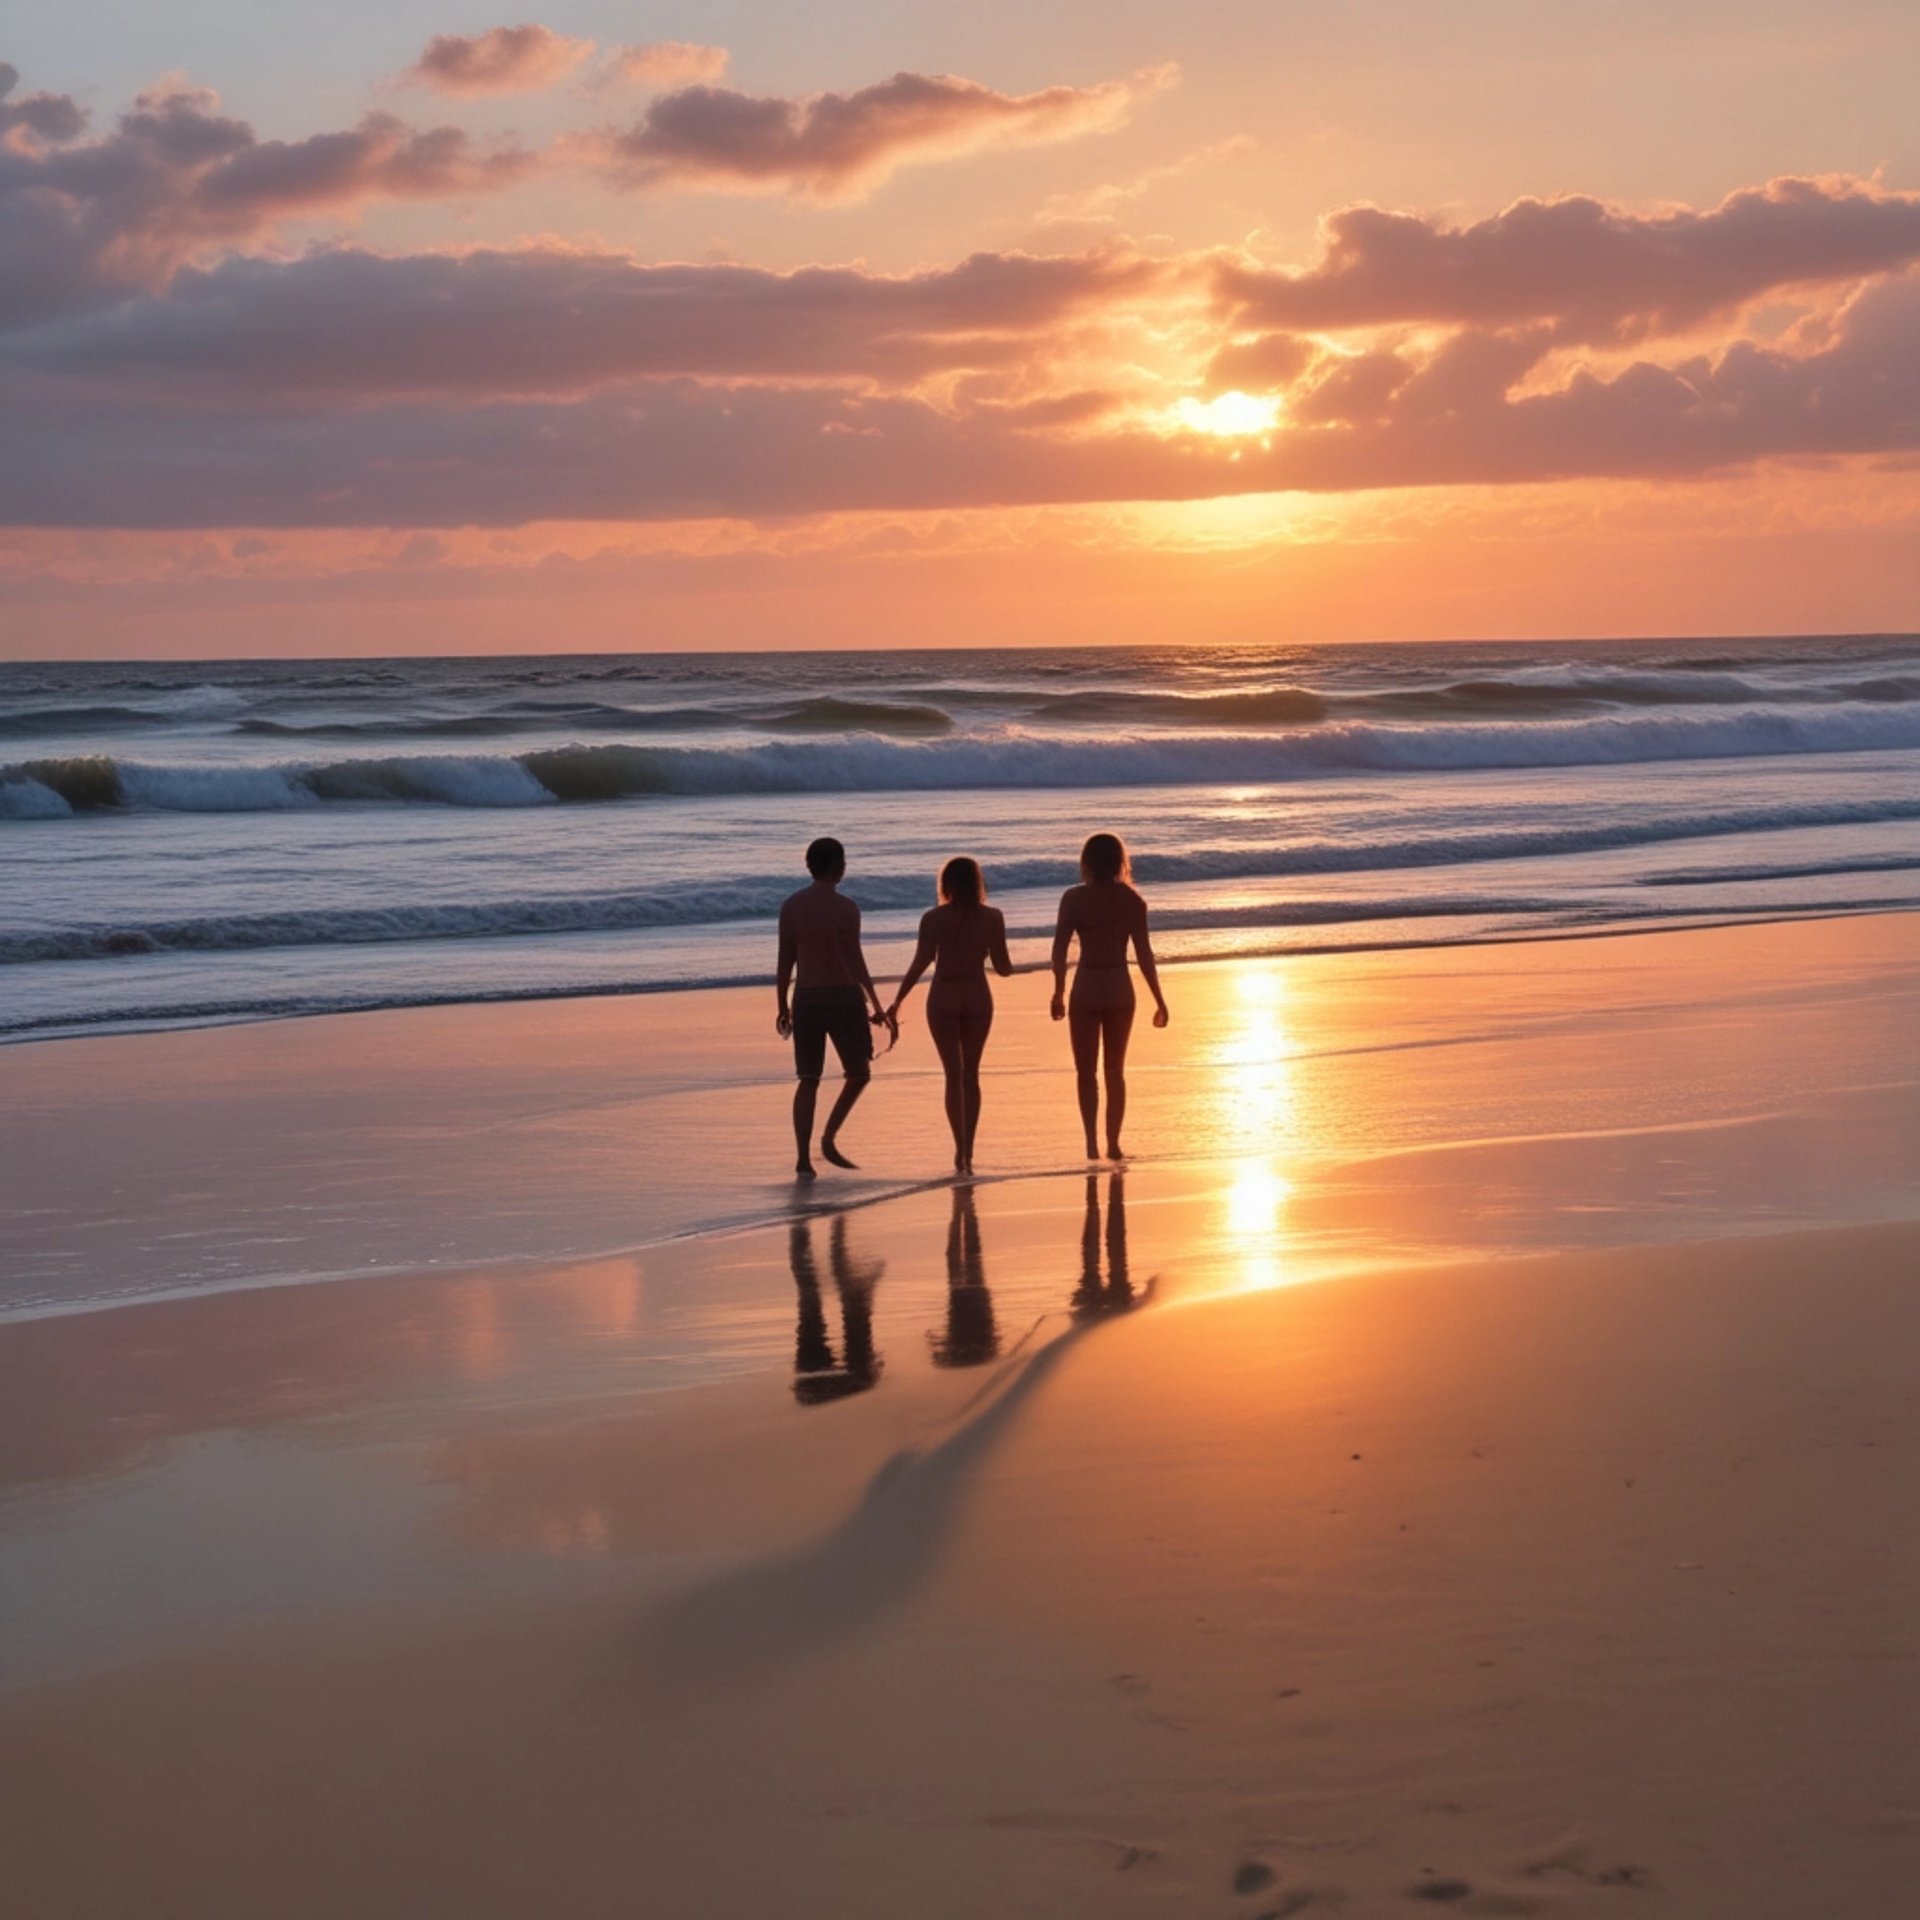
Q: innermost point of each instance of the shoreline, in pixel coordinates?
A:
(1678, 922)
(478, 1135)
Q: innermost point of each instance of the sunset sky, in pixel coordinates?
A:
(400, 329)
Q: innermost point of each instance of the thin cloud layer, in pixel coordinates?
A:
(836, 145)
(665, 63)
(1592, 272)
(522, 59)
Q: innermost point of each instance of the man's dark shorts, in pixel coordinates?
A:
(838, 1014)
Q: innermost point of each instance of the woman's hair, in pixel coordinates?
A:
(962, 884)
(1104, 857)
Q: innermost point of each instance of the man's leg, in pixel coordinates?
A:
(851, 1090)
(805, 1093)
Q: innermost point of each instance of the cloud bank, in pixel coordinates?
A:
(168, 361)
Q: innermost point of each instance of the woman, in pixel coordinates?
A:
(1108, 916)
(957, 939)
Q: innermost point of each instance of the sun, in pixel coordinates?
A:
(1229, 415)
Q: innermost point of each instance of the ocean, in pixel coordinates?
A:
(203, 842)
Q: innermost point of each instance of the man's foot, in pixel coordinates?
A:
(1093, 1152)
(829, 1152)
(804, 1170)
(1113, 1150)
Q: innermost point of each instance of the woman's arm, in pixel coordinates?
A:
(922, 960)
(997, 944)
(1062, 941)
(1143, 952)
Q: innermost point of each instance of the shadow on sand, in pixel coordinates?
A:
(744, 1625)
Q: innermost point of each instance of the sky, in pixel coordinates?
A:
(413, 329)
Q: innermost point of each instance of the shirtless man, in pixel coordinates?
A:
(820, 937)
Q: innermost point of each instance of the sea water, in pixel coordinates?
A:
(197, 842)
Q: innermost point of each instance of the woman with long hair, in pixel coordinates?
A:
(957, 939)
(1107, 916)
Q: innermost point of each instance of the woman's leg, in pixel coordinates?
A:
(947, 1030)
(973, 1043)
(1083, 1027)
(1116, 1028)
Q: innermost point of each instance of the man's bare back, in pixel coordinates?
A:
(820, 928)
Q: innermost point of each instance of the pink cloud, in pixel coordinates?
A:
(665, 63)
(1591, 271)
(520, 59)
(835, 145)
(35, 117)
(83, 222)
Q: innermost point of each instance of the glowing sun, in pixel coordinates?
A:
(1229, 415)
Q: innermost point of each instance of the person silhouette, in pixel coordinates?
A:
(1112, 1292)
(817, 1376)
(972, 1338)
(1107, 916)
(957, 939)
(820, 941)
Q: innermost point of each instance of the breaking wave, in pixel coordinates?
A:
(1011, 757)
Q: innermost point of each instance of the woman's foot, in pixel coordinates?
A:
(831, 1153)
(1113, 1150)
(1093, 1151)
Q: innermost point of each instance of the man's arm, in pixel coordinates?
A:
(857, 961)
(789, 953)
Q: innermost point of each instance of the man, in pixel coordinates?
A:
(820, 938)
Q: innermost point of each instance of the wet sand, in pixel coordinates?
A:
(1508, 1517)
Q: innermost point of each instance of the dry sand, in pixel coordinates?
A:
(1571, 1583)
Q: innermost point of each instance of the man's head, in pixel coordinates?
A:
(826, 859)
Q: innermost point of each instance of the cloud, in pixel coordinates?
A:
(1260, 365)
(82, 222)
(555, 320)
(685, 449)
(502, 60)
(1593, 272)
(664, 63)
(50, 117)
(837, 145)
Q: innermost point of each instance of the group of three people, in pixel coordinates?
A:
(826, 992)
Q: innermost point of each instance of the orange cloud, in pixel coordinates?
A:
(520, 59)
(665, 63)
(835, 145)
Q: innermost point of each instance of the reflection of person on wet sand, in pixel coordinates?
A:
(1108, 916)
(817, 1376)
(972, 1338)
(1113, 1292)
(957, 939)
(820, 939)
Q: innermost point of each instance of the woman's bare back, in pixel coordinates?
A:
(965, 939)
(1106, 914)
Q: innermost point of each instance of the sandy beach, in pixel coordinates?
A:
(1467, 1459)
